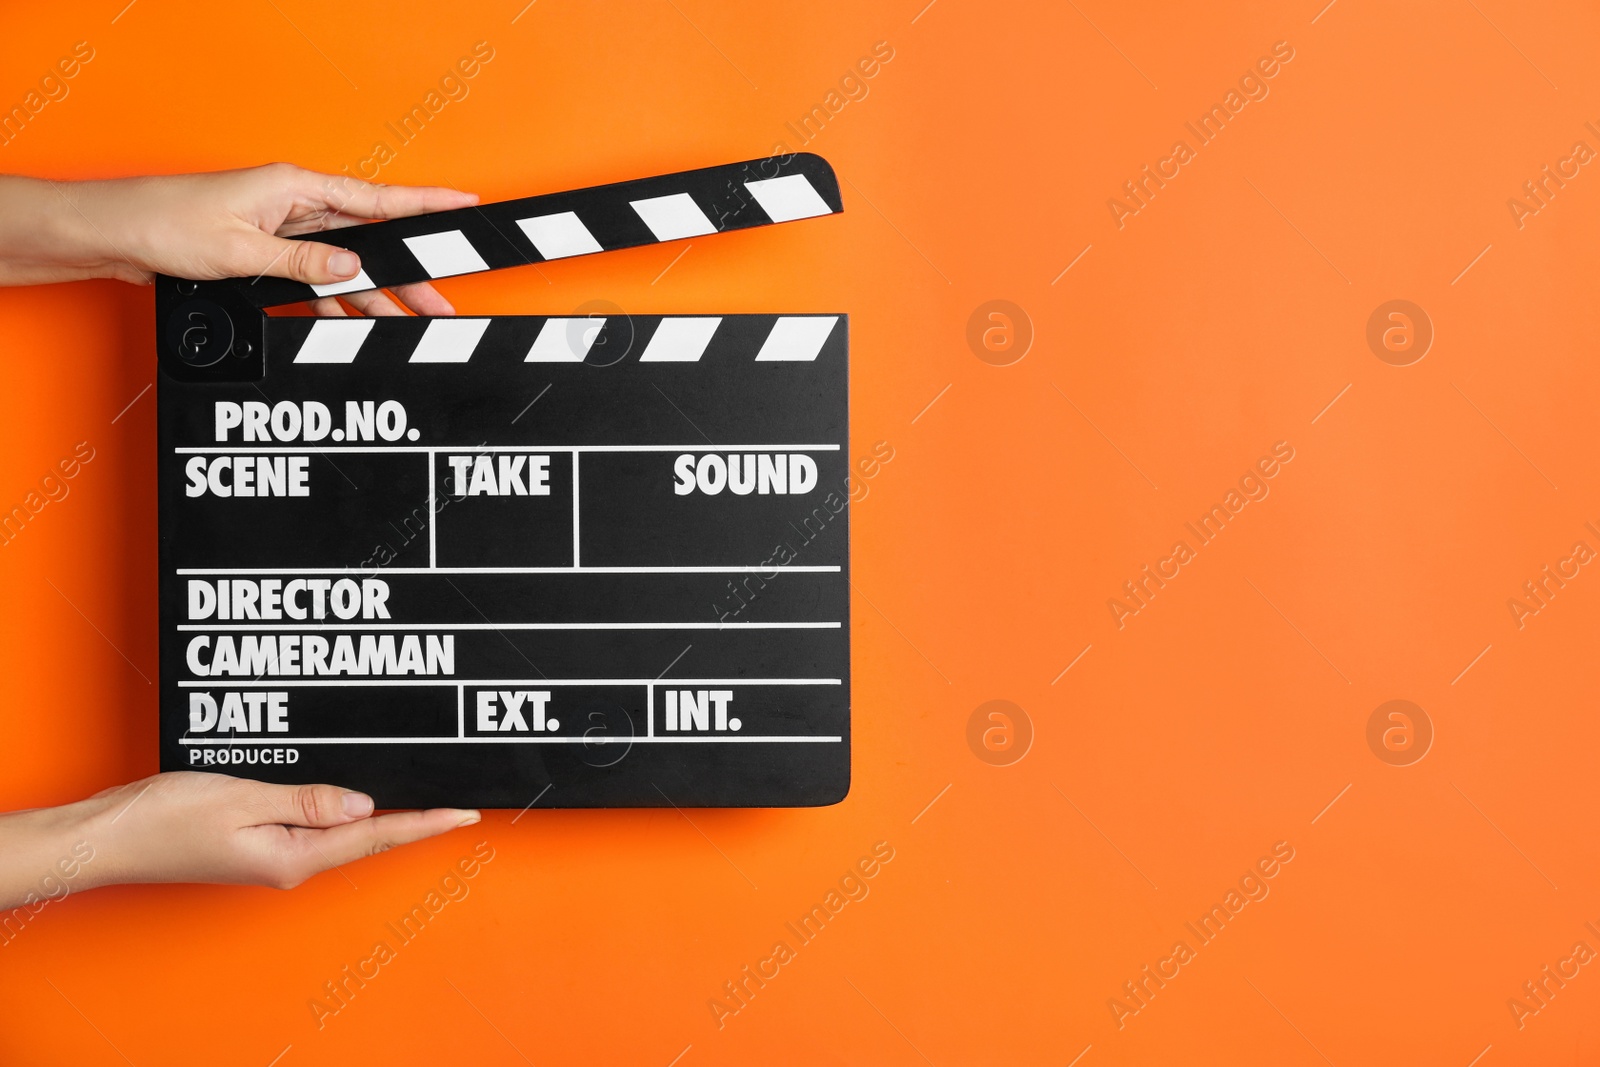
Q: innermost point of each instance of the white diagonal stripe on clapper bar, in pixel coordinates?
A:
(334, 340)
(680, 340)
(449, 340)
(445, 254)
(564, 340)
(355, 285)
(797, 338)
(560, 235)
(672, 217)
(788, 198)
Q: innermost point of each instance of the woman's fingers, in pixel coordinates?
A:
(349, 197)
(328, 307)
(328, 202)
(357, 840)
(424, 299)
(253, 254)
(373, 302)
(421, 298)
(316, 806)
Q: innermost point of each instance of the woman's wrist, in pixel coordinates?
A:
(45, 236)
(54, 231)
(51, 852)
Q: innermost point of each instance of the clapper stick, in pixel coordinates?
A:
(498, 561)
(205, 322)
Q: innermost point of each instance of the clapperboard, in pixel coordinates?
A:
(594, 560)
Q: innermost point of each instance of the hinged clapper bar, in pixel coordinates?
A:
(203, 324)
(495, 561)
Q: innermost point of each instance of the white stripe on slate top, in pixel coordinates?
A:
(334, 340)
(672, 217)
(564, 340)
(560, 235)
(449, 340)
(681, 340)
(445, 254)
(788, 198)
(354, 285)
(797, 338)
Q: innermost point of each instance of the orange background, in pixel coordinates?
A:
(1223, 718)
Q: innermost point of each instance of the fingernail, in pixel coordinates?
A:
(357, 805)
(468, 819)
(344, 264)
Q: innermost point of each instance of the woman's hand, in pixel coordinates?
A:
(227, 224)
(184, 826)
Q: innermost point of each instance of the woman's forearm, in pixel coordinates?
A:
(188, 827)
(228, 224)
(45, 854)
(46, 235)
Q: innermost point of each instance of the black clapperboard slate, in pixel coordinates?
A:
(584, 561)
